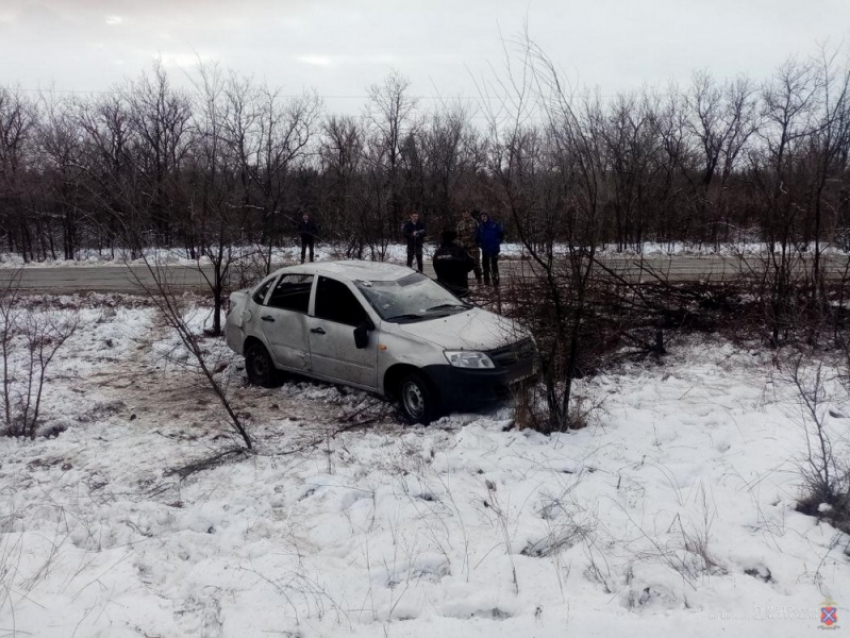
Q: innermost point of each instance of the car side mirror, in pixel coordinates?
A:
(361, 334)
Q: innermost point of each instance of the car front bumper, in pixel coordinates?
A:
(463, 389)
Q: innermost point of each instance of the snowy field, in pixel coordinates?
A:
(395, 253)
(673, 511)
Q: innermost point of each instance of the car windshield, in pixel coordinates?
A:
(411, 298)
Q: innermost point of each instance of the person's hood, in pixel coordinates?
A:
(474, 330)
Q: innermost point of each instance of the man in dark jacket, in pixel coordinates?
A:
(414, 233)
(453, 264)
(307, 231)
(490, 237)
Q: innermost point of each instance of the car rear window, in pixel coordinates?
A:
(292, 293)
(262, 291)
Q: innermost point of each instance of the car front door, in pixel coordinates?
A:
(336, 313)
(283, 318)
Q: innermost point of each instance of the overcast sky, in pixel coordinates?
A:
(339, 47)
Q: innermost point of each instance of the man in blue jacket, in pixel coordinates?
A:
(490, 237)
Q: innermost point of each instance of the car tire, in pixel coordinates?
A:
(260, 367)
(418, 400)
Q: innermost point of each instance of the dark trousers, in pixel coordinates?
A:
(491, 266)
(414, 251)
(475, 253)
(305, 243)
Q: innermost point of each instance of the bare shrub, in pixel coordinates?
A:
(532, 412)
(249, 268)
(29, 341)
(825, 473)
(166, 298)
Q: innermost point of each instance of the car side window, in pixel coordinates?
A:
(336, 302)
(292, 293)
(260, 295)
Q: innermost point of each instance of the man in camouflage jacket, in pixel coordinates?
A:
(467, 231)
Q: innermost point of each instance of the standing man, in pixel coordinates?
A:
(490, 237)
(414, 233)
(307, 231)
(467, 231)
(452, 264)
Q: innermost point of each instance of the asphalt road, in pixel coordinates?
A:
(59, 280)
(125, 279)
(683, 268)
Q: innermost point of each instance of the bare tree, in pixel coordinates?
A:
(572, 148)
(722, 119)
(169, 301)
(390, 114)
(128, 189)
(212, 194)
(830, 142)
(107, 168)
(60, 146)
(446, 144)
(788, 115)
(160, 137)
(282, 132)
(18, 119)
(344, 204)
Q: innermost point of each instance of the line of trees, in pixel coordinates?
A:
(230, 161)
(714, 163)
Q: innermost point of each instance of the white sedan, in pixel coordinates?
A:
(382, 328)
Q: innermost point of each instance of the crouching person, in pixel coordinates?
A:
(453, 264)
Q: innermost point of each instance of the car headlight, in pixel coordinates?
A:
(470, 360)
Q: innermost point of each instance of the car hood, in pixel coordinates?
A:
(475, 329)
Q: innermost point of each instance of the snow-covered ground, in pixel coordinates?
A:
(673, 511)
(244, 254)
(395, 252)
(702, 249)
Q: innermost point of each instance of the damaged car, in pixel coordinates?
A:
(382, 328)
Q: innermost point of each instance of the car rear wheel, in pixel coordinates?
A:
(260, 368)
(419, 401)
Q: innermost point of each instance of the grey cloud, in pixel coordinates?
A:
(339, 47)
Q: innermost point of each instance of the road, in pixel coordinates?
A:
(59, 280)
(124, 279)
(683, 268)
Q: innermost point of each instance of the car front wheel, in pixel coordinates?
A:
(419, 401)
(260, 368)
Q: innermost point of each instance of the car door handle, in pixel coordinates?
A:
(317, 331)
(268, 318)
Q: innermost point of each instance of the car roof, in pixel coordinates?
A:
(352, 270)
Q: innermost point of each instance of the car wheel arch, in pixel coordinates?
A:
(396, 373)
(249, 341)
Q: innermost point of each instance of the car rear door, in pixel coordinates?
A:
(283, 318)
(336, 313)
